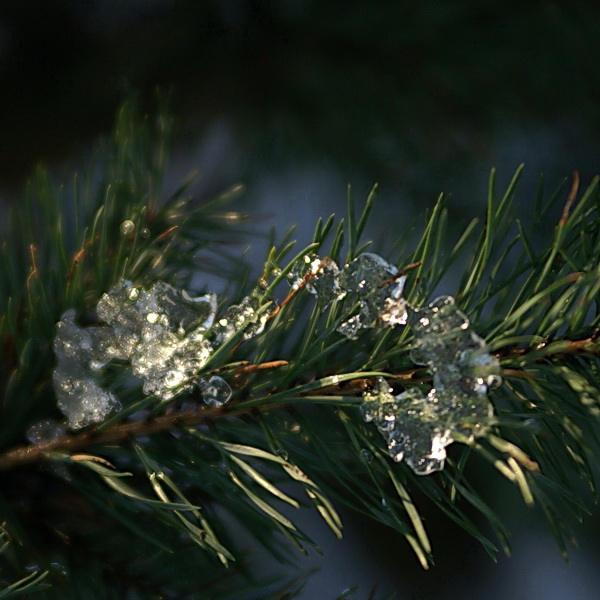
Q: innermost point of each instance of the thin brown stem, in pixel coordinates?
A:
(570, 199)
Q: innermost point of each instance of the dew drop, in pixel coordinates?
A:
(127, 227)
(282, 453)
(215, 391)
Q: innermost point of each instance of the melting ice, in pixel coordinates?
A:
(455, 354)
(215, 391)
(161, 331)
(79, 353)
(371, 281)
(416, 426)
(164, 334)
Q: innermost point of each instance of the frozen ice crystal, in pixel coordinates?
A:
(161, 331)
(321, 277)
(80, 354)
(215, 391)
(81, 399)
(324, 281)
(351, 327)
(412, 424)
(165, 335)
(417, 427)
(368, 279)
(456, 355)
(378, 287)
(243, 316)
(366, 271)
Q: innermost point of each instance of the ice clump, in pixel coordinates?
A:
(244, 316)
(378, 287)
(44, 431)
(164, 334)
(321, 275)
(416, 426)
(456, 355)
(371, 281)
(323, 281)
(80, 354)
(161, 331)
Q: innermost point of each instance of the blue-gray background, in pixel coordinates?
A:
(297, 98)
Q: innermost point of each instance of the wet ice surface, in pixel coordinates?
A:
(79, 354)
(324, 282)
(455, 354)
(369, 280)
(245, 317)
(378, 287)
(215, 391)
(161, 331)
(165, 335)
(417, 426)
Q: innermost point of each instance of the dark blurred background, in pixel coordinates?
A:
(297, 98)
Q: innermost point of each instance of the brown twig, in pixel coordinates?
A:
(166, 233)
(71, 442)
(274, 364)
(570, 199)
(34, 269)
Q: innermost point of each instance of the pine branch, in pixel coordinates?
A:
(70, 442)
(155, 469)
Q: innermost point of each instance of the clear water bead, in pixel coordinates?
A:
(215, 391)
(127, 227)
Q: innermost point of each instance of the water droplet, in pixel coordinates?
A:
(152, 317)
(215, 391)
(145, 232)
(127, 227)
